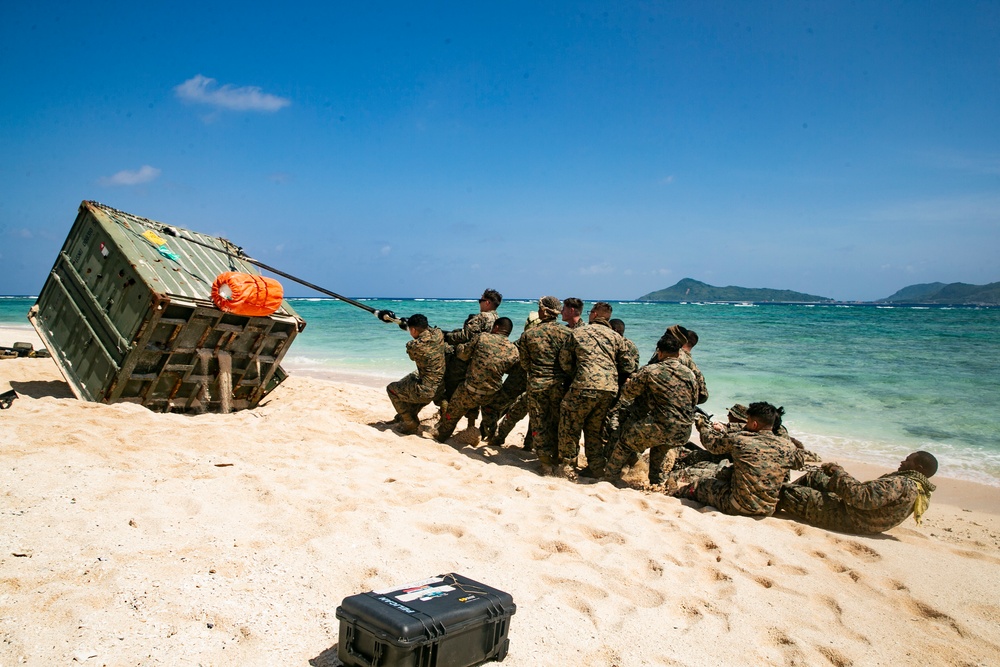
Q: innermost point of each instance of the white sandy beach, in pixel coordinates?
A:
(137, 538)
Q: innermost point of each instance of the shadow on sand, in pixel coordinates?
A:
(327, 658)
(43, 388)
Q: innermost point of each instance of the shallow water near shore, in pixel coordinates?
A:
(863, 382)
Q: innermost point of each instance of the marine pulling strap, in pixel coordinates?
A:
(384, 315)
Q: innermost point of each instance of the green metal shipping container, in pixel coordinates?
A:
(125, 321)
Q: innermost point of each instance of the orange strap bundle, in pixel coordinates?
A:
(244, 294)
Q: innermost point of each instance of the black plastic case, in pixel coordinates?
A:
(442, 621)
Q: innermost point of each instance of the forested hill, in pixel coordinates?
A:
(693, 290)
(953, 293)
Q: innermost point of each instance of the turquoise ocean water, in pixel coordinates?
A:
(863, 382)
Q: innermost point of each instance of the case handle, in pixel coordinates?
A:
(360, 657)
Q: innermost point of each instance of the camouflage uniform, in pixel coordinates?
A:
(489, 357)
(513, 387)
(685, 358)
(455, 367)
(669, 390)
(634, 411)
(509, 405)
(692, 460)
(751, 485)
(632, 352)
(417, 389)
(515, 413)
(477, 323)
(539, 348)
(594, 357)
(840, 502)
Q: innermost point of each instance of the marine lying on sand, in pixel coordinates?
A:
(830, 498)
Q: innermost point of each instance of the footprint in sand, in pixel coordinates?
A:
(579, 587)
(860, 550)
(441, 529)
(642, 596)
(830, 604)
(897, 585)
(606, 656)
(796, 655)
(836, 658)
(834, 606)
(932, 614)
(840, 568)
(582, 606)
(604, 537)
(698, 610)
(975, 555)
(554, 547)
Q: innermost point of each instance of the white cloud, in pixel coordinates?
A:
(597, 269)
(667, 180)
(144, 174)
(385, 250)
(205, 90)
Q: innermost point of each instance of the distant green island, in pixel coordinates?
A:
(959, 294)
(689, 289)
(951, 293)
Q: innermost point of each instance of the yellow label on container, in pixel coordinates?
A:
(153, 238)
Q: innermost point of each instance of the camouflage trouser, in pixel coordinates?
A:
(515, 413)
(502, 401)
(612, 426)
(543, 408)
(809, 501)
(647, 433)
(454, 375)
(716, 490)
(691, 455)
(408, 395)
(462, 401)
(691, 467)
(584, 409)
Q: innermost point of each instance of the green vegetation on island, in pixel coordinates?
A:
(694, 290)
(958, 294)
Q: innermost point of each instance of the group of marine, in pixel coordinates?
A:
(584, 376)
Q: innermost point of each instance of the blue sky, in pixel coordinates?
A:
(591, 149)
